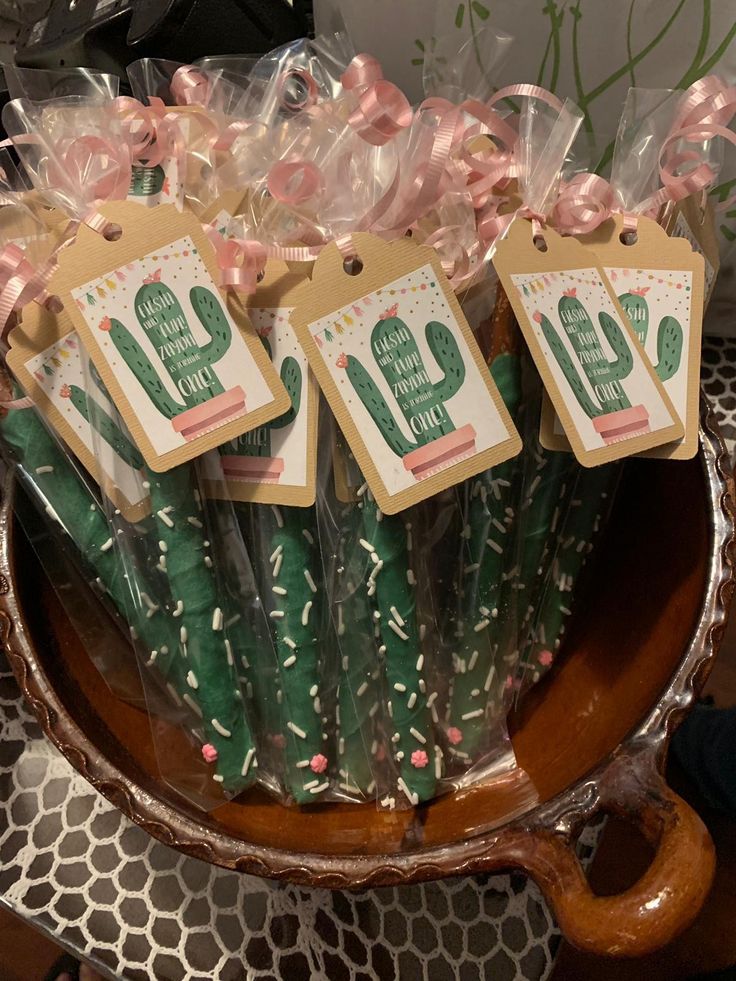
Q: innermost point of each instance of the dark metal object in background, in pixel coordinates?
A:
(109, 34)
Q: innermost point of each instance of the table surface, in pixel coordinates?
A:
(71, 864)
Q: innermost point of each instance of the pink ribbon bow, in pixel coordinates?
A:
(583, 204)
(20, 283)
(151, 132)
(382, 110)
(189, 87)
(241, 261)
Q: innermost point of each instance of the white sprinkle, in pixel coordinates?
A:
(152, 659)
(179, 609)
(475, 692)
(148, 601)
(246, 763)
(183, 635)
(192, 704)
(422, 630)
(471, 568)
(472, 715)
(382, 649)
(192, 680)
(417, 735)
(229, 652)
(432, 699)
(305, 612)
(437, 762)
(165, 518)
(484, 611)
(217, 619)
(366, 545)
(174, 694)
(279, 590)
(320, 788)
(208, 561)
(195, 522)
(397, 616)
(389, 802)
(399, 756)
(296, 730)
(473, 660)
(373, 709)
(40, 470)
(308, 535)
(374, 558)
(345, 662)
(363, 688)
(494, 612)
(422, 686)
(277, 565)
(277, 515)
(317, 706)
(410, 577)
(499, 525)
(362, 489)
(277, 614)
(302, 764)
(163, 547)
(489, 679)
(311, 783)
(435, 717)
(420, 662)
(465, 533)
(409, 542)
(481, 625)
(93, 507)
(107, 546)
(494, 545)
(290, 660)
(397, 630)
(220, 728)
(412, 700)
(399, 686)
(310, 581)
(341, 746)
(218, 778)
(290, 643)
(276, 552)
(402, 784)
(565, 610)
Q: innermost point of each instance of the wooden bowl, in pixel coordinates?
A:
(592, 736)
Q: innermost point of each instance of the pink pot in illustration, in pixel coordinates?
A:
(441, 453)
(210, 415)
(253, 469)
(624, 424)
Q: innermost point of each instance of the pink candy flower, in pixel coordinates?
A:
(545, 658)
(342, 361)
(209, 753)
(318, 763)
(454, 735)
(419, 759)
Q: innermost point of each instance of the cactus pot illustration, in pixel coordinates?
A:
(609, 409)
(204, 403)
(669, 332)
(147, 181)
(437, 443)
(248, 458)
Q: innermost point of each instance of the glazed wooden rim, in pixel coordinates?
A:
(628, 780)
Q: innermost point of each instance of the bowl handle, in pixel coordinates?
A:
(667, 897)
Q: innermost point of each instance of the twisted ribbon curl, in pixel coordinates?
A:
(20, 283)
(382, 109)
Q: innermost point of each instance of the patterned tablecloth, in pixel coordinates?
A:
(76, 868)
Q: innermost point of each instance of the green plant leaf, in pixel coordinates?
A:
(459, 15)
(417, 61)
(481, 11)
(419, 44)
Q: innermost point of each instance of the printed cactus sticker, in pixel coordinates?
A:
(604, 398)
(402, 372)
(669, 332)
(147, 181)
(274, 463)
(435, 443)
(183, 375)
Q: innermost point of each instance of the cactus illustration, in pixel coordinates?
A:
(612, 414)
(190, 367)
(104, 424)
(421, 401)
(147, 181)
(669, 332)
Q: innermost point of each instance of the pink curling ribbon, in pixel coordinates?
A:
(705, 111)
(286, 96)
(583, 204)
(382, 110)
(294, 182)
(98, 170)
(189, 87)
(20, 283)
(151, 132)
(240, 261)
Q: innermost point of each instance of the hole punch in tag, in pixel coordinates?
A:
(397, 362)
(48, 359)
(275, 463)
(184, 374)
(601, 384)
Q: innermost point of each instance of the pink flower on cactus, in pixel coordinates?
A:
(265, 331)
(571, 292)
(342, 361)
(65, 392)
(419, 759)
(105, 324)
(209, 753)
(454, 735)
(640, 291)
(545, 658)
(318, 763)
(391, 312)
(537, 317)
